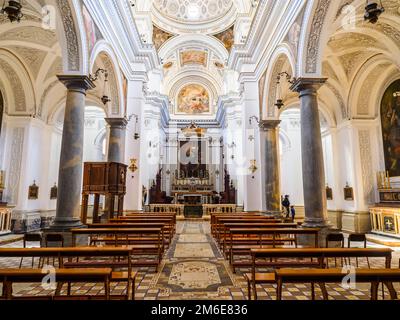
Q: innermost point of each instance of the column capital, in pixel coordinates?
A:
(312, 84)
(266, 125)
(117, 122)
(76, 82)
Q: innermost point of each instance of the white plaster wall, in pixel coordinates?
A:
(133, 198)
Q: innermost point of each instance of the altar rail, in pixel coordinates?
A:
(385, 219)
(176, 208)
(5, 219)
(219, 208)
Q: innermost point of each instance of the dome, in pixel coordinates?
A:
(193, 11)
(187, 16)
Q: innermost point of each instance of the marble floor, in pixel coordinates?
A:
(193, 269)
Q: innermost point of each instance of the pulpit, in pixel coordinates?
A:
(103, 178)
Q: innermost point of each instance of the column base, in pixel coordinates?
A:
(65, 225)
(309, 241)
(316, 223)
(275, 214)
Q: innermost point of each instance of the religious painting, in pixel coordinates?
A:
(1, 110)
(329, 193)
(33, 193)
(90, 28)
(389, 224)
(390, 117)
(227, 37)
(192, 158)
(160, 37)
(348, 193)
(193, 99)
(53, 192)
(194, 57)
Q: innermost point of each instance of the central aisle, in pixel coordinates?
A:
(194, 268)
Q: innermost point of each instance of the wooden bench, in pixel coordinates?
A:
(223, 231)
(372, 276)
(216, 220)
(11, 276)
(65, 257)
(151, 244)
(319, 254)
(266, 237)
(168, 220)
(167, 230)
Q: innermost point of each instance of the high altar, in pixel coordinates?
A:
(195, 180)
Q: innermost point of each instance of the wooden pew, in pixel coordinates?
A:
(11, 276)
(168, 220)
(153, 244)
(219, 221)
(167, 230)
(266, 237)
(372, 276)
(223, 231)
(319, 254)
(65, 256)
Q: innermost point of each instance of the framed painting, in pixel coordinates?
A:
(33, 193)
(390, 117)
(348, 193)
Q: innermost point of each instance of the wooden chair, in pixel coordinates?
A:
(334, 237)
(31, 237)
(53, 238)
(358, 237)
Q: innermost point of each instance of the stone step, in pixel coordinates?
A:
(383, 240)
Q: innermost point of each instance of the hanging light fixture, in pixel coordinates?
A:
(13, 10)
(373, 11)
(105, 98)
(279, 99)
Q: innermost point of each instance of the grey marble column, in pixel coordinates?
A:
(70, 171)
(116, 142)
(269, 156)
(315, 202)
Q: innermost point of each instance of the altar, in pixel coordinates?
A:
(385, 216)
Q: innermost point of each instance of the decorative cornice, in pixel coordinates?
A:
(117, 122)
(312, 84)
(267, 125)
(77, 82)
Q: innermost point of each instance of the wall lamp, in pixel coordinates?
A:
(13, 10)
(105, 98)
(279, 101)
(373, 11)
(136, 135)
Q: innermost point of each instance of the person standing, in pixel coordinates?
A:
(293, 212)
(286, 205)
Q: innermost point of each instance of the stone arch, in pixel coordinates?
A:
(318, 19)
(104, 52)
(72, 37)
(282, 57)
(104, 57)
(17, 86)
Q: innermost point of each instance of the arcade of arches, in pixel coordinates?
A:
(205, 108)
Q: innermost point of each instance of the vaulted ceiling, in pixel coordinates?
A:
(194, 39)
